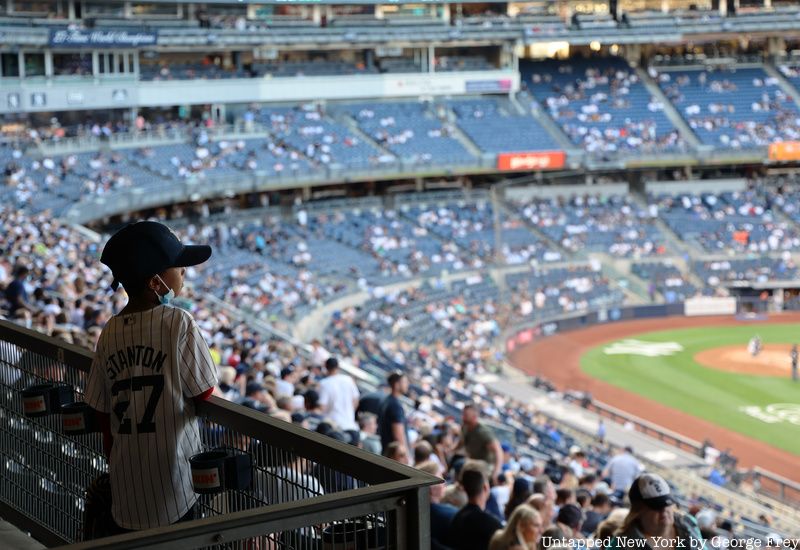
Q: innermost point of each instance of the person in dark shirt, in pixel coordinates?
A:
(472, 528)
(441, 514)
(392, 423)
(371, 402)
(15, 293)
(601, 507)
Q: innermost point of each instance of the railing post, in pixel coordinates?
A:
(417, 529)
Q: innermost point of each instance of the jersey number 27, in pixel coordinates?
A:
(138, 383)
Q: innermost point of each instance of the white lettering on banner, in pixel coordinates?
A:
(640, 347)
(775, 413)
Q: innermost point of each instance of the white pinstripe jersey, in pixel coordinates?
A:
(147, 367)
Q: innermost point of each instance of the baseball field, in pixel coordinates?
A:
(708, 372)
(692, 375)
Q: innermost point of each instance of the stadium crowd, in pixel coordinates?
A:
(431, 344)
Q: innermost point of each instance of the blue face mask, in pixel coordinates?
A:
(166, 298)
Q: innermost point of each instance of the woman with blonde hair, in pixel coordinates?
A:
(522, 532)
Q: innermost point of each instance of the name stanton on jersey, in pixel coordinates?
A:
(134, 356)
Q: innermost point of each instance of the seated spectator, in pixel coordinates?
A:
(472, 527)
(15, 293)
(569, 520)
(653, 514)
(599, 509)
(552, 537)
(501, 493)
(368, 424)
(396, 451)
(544, 486)
(423, 452)
(257, 397)
(441, 514)
(314, 414)
(520, 493)
(285, 385)
(227, 388)
(523, 531)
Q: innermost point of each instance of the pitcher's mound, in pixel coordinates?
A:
(774, 360)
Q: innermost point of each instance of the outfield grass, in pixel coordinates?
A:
(679, 382)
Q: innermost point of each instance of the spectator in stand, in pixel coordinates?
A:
(371, 402)
(479, 442)
(338, 396)
(472, 527)
(318, 354)
(501, 493)
(441, 514)
(552, 537)
(622, 470)
(286, 384)
(520, 493)
(257, 397)
(523, 531)
(564, 496)
(16, 294)
(652, 517)
(397, 451)
(227, 388)
(392, 424)
(544, 486)
(569, 521)
(368, 424)
(314, 416)
(600, 508)
(423, 452)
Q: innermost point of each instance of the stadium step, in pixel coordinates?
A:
(616, 270)
(462, 137)
(785, 85)
(546, 121)
(669, 109)
(352, 125)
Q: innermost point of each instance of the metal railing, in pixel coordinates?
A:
(308, 491)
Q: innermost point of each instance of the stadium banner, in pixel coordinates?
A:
(488, 86)
(535, 160)
(709, 305)
(106, 38)
(784, 150)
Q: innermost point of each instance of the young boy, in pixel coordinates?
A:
(150, 366)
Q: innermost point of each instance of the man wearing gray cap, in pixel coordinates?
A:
(653, 518)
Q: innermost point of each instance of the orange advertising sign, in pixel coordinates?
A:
(539, 160)
(784, 150)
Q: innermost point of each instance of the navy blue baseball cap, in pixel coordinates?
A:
(142, 249)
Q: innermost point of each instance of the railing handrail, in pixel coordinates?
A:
(251, 523)
(776, 478)
(384, 486)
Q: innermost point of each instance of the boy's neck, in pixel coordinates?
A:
(137, 304)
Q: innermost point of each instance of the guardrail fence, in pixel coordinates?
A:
(308, 491)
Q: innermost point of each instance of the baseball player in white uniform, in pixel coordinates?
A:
(150, 366)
